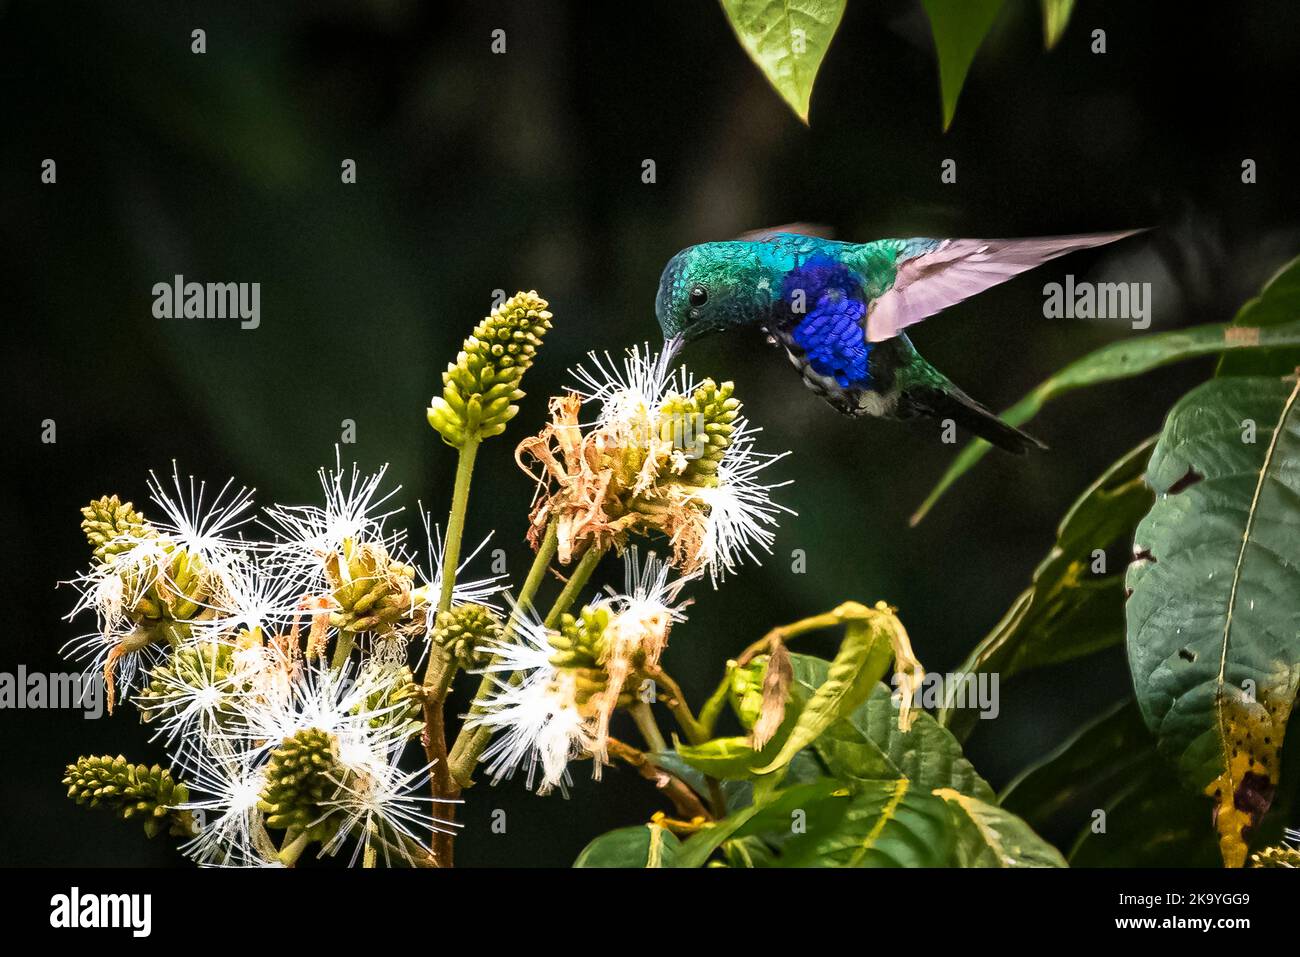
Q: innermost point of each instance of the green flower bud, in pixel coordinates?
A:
(303, 774)
(581, 649)
(372, 590)
(133, 791)
(481, 387)
(399, 700)
(580, 642)
(111, 524)
(701, 426)
(462, 630)
(208, 665)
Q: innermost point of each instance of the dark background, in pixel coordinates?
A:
(479, 172)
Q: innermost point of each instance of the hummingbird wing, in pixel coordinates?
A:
(932, 275)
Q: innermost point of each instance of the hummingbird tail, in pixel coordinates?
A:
(952, 403)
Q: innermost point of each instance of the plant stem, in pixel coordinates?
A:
(440, 668)
(576, 583)
(717, 701)
(292, 849)
(472, 740)
(649, 728)
(675, 701)
(456, 521)
(343, 646)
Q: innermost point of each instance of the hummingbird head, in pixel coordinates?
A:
(709, 288)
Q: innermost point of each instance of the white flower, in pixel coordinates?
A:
(335, 702)
(251, 593)
(386, 808)
(197, 525)
(353, 510)
(536, 719)
(190, 702)
(636, 391)
(230, 782)
(741, 513)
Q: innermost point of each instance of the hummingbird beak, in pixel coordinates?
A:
(673, 346)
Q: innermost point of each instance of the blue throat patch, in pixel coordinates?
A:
(831, 333)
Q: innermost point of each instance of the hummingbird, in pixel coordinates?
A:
(839, 310)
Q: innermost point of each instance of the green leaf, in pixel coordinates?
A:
(1069, 610)
(883, 824)
(1056, 15)
(788, 40)
(1214, 615)
(646, 845)
(868, 745)
(770, 808)
(727, 759)
(1111, 765)
(1277, 303)
(863, 658)
(1119, 360)
(959, 27)
(1101, 760)
(991, 836)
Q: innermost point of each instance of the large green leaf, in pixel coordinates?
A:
(1075, 603)
(1278, 303)
(863, 658)
(646, 845)
(1056, 15)
(991, 836)
(1114, 799)
(1214, 615)
(868, 746)
(882, 824)
(788, 40)
(1120, 360)
(959, 27)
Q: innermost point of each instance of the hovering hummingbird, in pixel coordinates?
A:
(839, 310)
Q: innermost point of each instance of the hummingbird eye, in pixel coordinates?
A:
(699, 296)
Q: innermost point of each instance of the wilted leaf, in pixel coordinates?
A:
(990, 836)
(959, 27)
(1120, 360)
(868, 745)
(863, 658)
(1056, 15)
(1070, 609)
(646, 845)
(788, 40)
(1214, 616)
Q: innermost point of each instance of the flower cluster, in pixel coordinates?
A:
(555, 689)
(275, 653)
(665, 455)
(274, 668)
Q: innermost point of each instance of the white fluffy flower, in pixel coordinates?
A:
(742, 515)
(229, 782)
(385, 808)
(355, 509)
(536, 719)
